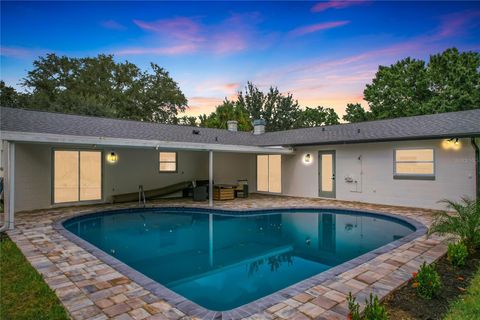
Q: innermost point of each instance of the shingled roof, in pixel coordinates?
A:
(445, 125)
(442, 125)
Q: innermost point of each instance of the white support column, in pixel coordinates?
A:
(210, 237)
(9, 184)
(210, 178)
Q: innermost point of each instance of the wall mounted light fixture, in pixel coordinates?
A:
(452, 144)
(307, 158)
(112, 157)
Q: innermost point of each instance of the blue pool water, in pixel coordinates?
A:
(222, 261)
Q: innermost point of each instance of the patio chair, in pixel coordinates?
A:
(241, 191)
(200, 190)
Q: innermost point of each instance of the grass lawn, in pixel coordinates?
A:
(467, 306)
(24, 294)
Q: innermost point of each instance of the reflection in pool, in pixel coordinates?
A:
(224, 261)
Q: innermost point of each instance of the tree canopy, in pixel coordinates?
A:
(450, 81)
(280, 111)
(99, 86)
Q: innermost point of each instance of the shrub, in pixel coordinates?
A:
(353, 308)
(373, 309)
(464, 224)
(457, 253)
(426, 281)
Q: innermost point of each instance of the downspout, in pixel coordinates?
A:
(477, 167)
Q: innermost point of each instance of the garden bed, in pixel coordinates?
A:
(405, 304)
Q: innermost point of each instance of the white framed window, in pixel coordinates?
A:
(414, 163)
(168, 162)
(77, 176)
(269, 173)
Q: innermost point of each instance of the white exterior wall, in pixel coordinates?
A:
(33, 186)
(454, 174)
(228, 168)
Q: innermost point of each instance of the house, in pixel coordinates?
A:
(53, 159)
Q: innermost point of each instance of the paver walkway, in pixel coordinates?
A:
(92, 289)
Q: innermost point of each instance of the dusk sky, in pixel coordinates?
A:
(322, 52)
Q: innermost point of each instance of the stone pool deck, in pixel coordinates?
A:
(92, 287)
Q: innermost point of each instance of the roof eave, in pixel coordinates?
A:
(429, 137)
(61, 139)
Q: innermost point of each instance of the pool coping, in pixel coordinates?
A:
(191, 308)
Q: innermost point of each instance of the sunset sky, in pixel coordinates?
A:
(322, 52)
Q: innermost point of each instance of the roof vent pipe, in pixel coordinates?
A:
(259, 126)
(232, 125)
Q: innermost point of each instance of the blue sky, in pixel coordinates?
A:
(322, 52)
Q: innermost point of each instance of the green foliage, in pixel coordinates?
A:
(426, 281)
(468, 306)
(8, 96)
(227, 111)
(457, 253)
(99, 86)
(450, 81)
(463, 224)
(353, 308)
(355, 113)
(399, 90)
(24, 294)
(454, 81)
(281, 112)
(373, 310)
(314, 117)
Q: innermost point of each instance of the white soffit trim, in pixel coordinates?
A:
(136, 143)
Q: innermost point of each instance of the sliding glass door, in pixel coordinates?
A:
(77, 175)
(269, 173)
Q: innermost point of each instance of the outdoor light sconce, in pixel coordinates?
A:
(307, 158)
(452, 143)
(112, 157)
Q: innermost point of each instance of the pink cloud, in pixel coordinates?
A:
(231, 86)
(458, 23)
(166, 51)
(181, 28)
(112, 24)
(335, 4)
(229, 42)
(317, 27)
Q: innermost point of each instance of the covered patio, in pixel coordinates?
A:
(92, 286)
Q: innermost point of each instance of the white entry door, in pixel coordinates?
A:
(326, 174)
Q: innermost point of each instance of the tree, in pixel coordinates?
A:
(186, 121)
(319, 116)
(281, 112)
(356, 113)
(449, 82)
(454, 81)
(399, 90)
(100, 86)
(228, 110)
(9, 97)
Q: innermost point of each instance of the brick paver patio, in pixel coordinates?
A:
(91, 288)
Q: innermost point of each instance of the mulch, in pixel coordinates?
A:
(404, 304)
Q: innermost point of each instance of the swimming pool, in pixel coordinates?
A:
(221, 259)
